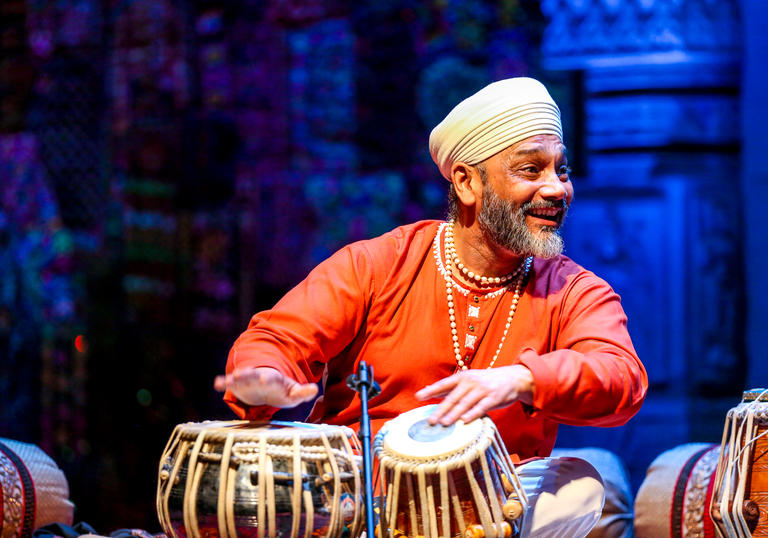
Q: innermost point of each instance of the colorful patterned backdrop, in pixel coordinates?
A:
(39, 297)
(171, 167)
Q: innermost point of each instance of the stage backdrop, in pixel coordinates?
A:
(171, 167)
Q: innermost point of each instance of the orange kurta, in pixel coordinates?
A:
(383, 301)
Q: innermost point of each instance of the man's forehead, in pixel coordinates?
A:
(537, 144)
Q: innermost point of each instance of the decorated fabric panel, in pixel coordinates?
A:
(33, 490)
(674, 498)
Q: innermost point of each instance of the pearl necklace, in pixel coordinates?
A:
(471, 275)
(452, 259)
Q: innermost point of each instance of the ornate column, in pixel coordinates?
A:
(657, 210)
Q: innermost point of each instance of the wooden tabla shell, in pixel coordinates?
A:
(741, 483)
(445, 481)
(276, 479)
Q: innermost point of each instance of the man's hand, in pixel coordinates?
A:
(265, 386)
(470, 394)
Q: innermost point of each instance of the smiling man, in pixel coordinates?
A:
(481, 313)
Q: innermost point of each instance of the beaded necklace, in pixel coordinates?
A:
(451, 259)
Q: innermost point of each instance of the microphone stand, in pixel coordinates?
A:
(368, 388)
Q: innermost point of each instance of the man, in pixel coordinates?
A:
(481, 313)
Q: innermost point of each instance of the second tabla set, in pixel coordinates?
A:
(739, 502)
(239, 478)
(705, 489)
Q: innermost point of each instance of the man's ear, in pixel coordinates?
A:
(467, 183)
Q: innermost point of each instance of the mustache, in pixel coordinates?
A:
(562, 204)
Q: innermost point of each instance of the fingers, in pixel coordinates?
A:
(470, 395)
(454, 404)
(480, 409)
(250, 386)
(465, 403)
(438, 389)
(265, 386)
(240, 379)
(220, 383)
(299, 393)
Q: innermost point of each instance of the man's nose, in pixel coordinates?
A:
(552, 187)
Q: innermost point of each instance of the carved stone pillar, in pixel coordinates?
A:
(657, 209)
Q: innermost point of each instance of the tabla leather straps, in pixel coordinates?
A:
(17, 492)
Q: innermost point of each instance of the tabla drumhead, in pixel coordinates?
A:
(244, 430)
(412, 436)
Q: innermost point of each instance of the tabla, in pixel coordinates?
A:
(446, 480)
(740, 494)
(240, 478)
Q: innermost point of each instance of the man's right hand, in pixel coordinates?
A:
(265, 386)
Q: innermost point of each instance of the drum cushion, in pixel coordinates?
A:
(616, 520)
(33, 490)
(673, 499)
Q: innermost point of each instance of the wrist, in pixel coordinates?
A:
(524, 383)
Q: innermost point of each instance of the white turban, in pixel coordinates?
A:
(493, 119)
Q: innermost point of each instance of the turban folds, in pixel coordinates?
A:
(499, 115)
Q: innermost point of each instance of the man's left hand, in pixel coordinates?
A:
(470, 394)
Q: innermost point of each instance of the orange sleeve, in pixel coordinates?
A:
(593, 377)
(311, 324)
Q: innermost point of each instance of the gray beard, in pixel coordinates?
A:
(504, 223)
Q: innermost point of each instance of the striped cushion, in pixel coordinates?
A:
(673, 500)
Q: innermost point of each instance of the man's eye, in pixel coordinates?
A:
(530, 169)
(564, 170)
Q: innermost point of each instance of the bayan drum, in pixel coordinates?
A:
(740, 494)
(446, 481)
(240, 478)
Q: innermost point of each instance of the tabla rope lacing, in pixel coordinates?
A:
(445, 502)
(733, 464)
(229, 491)
(297, 487)
(193, 447)
(184, 447)
(457, 504)
(358, 520)
(260, 507)
(428, 470)
(249, 452)
(335, 508)
(190, 492)
(725, 469)
(222, 507)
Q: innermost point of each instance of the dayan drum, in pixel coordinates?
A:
(240, 478)
(740, 494)
(446, 481)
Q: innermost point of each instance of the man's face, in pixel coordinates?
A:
(526, 194)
